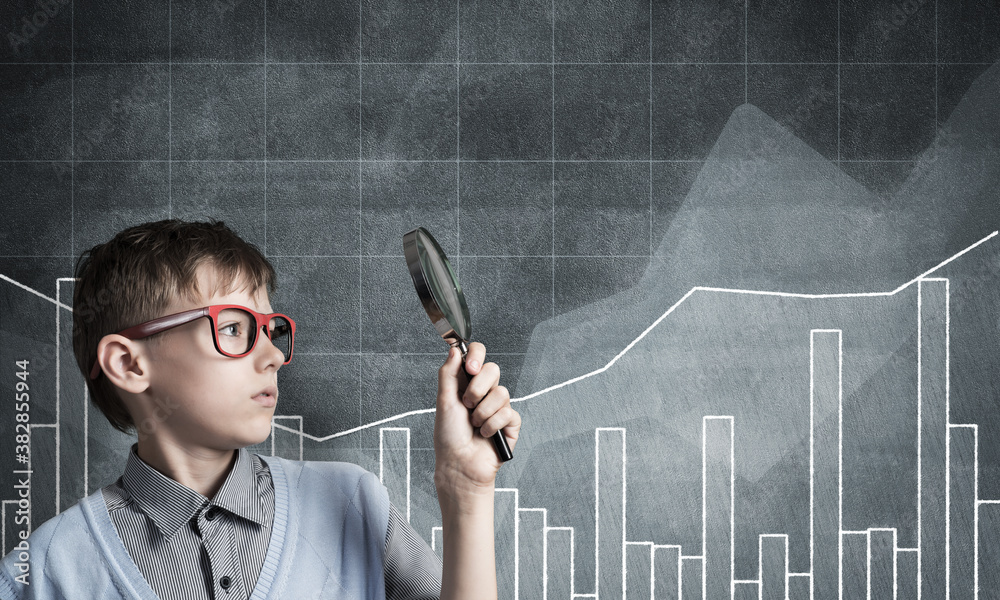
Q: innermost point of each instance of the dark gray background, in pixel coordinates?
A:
(584, 164)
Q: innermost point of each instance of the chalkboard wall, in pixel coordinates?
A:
(734, 260)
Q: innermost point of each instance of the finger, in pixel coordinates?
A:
(448, 377)
(506, 416)
(474, 358)
(513, 431)
(490, 405)
(481, 385)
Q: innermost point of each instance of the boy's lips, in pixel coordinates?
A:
(267, 396)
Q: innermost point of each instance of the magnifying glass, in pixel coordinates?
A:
(444, 302)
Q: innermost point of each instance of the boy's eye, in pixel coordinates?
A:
(230, 329)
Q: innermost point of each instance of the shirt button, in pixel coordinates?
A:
(211, 514)
(225, 582)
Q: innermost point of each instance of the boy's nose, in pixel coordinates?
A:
(267, 353)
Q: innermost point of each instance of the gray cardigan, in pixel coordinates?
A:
(327, 541)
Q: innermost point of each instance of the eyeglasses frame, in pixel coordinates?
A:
(160, 324)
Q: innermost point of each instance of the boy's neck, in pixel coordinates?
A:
(203, 470)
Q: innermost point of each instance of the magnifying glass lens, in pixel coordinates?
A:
(443, 284)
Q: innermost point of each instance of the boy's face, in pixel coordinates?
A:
(212, 400)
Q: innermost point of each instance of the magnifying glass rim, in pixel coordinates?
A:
(430, 303)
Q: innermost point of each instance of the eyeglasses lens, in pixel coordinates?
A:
(281, 335)
(237, 330)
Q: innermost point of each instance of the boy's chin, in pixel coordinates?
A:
(258, 433)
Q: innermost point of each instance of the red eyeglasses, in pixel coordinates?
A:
(234, 330)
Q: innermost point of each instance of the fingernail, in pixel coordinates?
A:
(474, 364)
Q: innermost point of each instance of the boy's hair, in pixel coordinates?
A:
(134, 276)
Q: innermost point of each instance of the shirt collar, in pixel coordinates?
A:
(170, 505)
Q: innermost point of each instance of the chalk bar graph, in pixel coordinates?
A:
(846, 564)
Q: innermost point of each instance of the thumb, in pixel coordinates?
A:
(448, 378)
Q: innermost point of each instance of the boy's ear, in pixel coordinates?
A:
(124, 362)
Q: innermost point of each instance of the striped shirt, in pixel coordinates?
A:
(188, 547)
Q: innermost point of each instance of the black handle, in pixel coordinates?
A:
(499, 441)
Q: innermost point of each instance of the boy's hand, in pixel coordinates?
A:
(467, 416)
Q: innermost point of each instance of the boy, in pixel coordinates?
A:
(186, 351)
